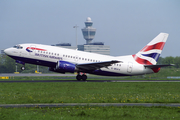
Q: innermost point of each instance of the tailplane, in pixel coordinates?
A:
(149, 55)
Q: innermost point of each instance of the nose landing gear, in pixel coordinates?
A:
(20, 62)
(23, 68)
(81, 77)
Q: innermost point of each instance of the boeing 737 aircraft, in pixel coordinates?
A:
(64, 60)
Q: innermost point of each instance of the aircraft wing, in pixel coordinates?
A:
(158, 66)
(95, 66)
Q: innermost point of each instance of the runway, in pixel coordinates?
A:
(69, 77)
(33, 74)
(88, 104)
(67, 80)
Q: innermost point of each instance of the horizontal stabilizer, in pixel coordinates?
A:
(158, 66)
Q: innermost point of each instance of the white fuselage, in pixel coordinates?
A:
(49, 55)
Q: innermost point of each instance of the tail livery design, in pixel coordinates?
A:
(150, 53)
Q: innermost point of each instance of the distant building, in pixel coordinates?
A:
(89, 34)
(99, 48)
(65, 45)
(2, 52)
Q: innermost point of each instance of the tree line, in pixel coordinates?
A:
(170, 60)
(8, 65)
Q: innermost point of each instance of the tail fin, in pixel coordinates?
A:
(150, 53)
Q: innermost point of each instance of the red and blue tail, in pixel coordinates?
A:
(149, 55)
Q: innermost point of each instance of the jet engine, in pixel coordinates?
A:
(64, 66)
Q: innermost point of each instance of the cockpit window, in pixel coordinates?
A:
(18, 47)
(15, 46)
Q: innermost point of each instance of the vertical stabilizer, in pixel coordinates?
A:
(150, 53)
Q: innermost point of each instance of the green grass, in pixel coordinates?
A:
(90, 92)
(89, 113)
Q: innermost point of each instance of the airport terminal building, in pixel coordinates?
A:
(65, 45)
(99, 48)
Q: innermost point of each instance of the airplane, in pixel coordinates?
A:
(64, 60)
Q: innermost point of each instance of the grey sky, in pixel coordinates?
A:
(125, 25)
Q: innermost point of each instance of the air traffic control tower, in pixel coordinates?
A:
(89, 34)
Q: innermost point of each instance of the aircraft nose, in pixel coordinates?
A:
(7, 51)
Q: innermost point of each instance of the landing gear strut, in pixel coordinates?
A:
(81, 77)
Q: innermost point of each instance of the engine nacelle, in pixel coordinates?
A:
(56, 70)
(64, 66)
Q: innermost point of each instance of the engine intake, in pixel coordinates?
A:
(64, 66)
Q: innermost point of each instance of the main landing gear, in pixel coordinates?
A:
(81, 77)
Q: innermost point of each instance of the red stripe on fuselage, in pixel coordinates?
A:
(145, 62)
(141, 61)
(33, 48)
(158, 46)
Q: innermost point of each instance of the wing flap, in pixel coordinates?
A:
(95, 66)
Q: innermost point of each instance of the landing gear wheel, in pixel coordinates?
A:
(84, 77)
(78, 77)
(22, 68)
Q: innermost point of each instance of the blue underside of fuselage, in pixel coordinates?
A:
(34, 61)
(106, 73)
(53, 65)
